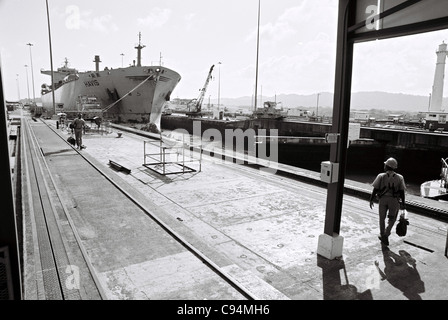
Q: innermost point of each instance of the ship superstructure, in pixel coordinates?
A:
(136, 93)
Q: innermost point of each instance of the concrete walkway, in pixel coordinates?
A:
(266, 227)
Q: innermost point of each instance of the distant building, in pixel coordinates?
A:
(12, 105)
(435, 121)
(300, 113)
(435, 118)
(395, 117)
(360, 116)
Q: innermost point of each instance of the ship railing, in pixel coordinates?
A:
(105, 127)
(444, 173)
(266, 139)
(172, 156)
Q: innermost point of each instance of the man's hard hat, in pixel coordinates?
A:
(391, 162)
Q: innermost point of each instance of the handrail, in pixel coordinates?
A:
(444, 173)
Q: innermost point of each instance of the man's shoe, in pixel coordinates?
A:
(384, 240)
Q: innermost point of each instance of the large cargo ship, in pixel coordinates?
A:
(132, 94)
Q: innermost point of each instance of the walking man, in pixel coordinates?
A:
(62, 121)
(390, 188)
(78, 126)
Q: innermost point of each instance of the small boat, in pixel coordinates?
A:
(270, 110)
(437, 189)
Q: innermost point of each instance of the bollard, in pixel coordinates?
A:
(446, 245)
(57, 124)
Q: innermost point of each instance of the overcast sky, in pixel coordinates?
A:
(297, 45)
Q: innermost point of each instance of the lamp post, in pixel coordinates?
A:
(51, 57)
(252, 101)
(219, 84)
(256, 64)
(27, 83)
(18, 87)
(32, 73)
(429, 102)
(317, 105)
(122, 54)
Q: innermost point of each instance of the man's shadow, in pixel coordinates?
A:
(400, 270)
(333, 284)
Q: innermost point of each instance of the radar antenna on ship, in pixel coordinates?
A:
(139, 50)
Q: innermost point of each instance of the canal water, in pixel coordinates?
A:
(364, 162)
(412, 184)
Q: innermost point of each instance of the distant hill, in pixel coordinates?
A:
(37, 100)
(359, 101)
(390, 101)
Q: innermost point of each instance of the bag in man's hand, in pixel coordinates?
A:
(71, 140)
(402, 226)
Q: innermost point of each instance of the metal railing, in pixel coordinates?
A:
(444, 174)
(444, 184)
(172, 154)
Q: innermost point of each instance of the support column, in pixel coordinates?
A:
(8, 224)
(331, 243)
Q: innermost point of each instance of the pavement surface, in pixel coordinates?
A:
(262, 228)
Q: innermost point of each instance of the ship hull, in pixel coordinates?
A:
(434, 190)
(126, 94)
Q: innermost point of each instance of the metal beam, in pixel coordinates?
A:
(8, 224)
(341, 115)
(399, 31)
(346, 37)
(384, 14)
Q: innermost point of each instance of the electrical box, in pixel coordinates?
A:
(329, 172)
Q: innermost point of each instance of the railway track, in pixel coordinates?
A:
(60, 262)
(57, 254)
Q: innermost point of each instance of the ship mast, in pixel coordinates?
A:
(139, 50)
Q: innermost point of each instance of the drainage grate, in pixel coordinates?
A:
(420, 247)
(5, 275)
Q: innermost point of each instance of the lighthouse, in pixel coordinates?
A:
(437, 88)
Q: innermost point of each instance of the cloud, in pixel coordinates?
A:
(156, 18)
(299, 22)
(277, 30)
(189, 19)
(405, 65)
(297, 49)
(103, 24)
(76, 19)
